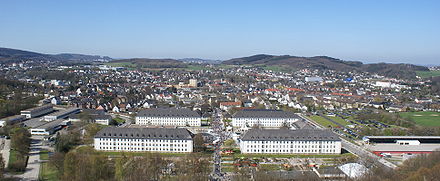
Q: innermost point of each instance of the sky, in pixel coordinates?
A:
(370, 31)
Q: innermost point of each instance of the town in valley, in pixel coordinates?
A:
(219, 90)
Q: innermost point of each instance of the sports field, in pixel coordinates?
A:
(322, 121)
(426, 74)
(423, 118)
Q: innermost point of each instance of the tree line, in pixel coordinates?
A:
(84, 164)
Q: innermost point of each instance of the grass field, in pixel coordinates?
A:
(322, 121)
(197, 67)
(47, 173)
(119, 120)
(339, 120)
(426, 74)
(122, 64)
(12, 156)
(277, 68)
(44, 155)
(288, 156)
(423, 118)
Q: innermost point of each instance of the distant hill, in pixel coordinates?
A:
(14, 55)
(200, 60)
(152, 63)
(8, 55)
(404, 71)
(81, 57)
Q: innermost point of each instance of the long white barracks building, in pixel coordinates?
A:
(168, 117)
(264, 118)
(144, 139)
(286, 141)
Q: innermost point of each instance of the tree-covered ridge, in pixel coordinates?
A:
(403, 71)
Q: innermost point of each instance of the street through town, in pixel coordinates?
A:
(218, 129)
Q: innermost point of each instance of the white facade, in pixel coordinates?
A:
(263, 122)
(39, 131)
(138, 144)
(291, 147)
(102, 121)
(173, 140)
(169, 121)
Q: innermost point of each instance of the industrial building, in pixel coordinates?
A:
(398, 145)
(49, 127)
(61, 114)
(37, 111)
(11, 120)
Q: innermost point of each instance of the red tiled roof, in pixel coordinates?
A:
(230, 103)
(294, 89)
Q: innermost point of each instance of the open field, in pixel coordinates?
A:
(423, 118)
(197, 67)
(322, 121)
(122, 64)
(277, 68)
(119, 120)
(288, 156)
(44, 155)
(339, 120)
(12, 156)
(426, 74)
(47, 172)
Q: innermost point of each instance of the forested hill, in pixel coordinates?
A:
(404, 71)
(8, 55)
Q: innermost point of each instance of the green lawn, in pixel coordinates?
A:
(271, 167)
(14, 159)
(122, 64)
(426, 74)
(225, 66)
(322, 121)
(12, 156)
(47, 172)
(288, 155)
(339, 120)
(197, 67)
(44, 155)
(277, 68)
(119, 120)
(227, 169)
(423, 118)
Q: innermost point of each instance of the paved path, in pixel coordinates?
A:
(5, 151)
(33, 166)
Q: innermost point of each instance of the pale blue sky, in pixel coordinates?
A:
(368, 31)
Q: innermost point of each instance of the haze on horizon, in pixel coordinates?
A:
(368, 31)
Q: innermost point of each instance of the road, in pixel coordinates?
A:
(33, 166)
(6, 146)
(218, 128)
(355, 149)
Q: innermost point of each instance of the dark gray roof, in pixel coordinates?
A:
(145, 133)
(63, 112)
(50, 125)
(289, 135)
(168, 112)
(38, 108)
(264, 113)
